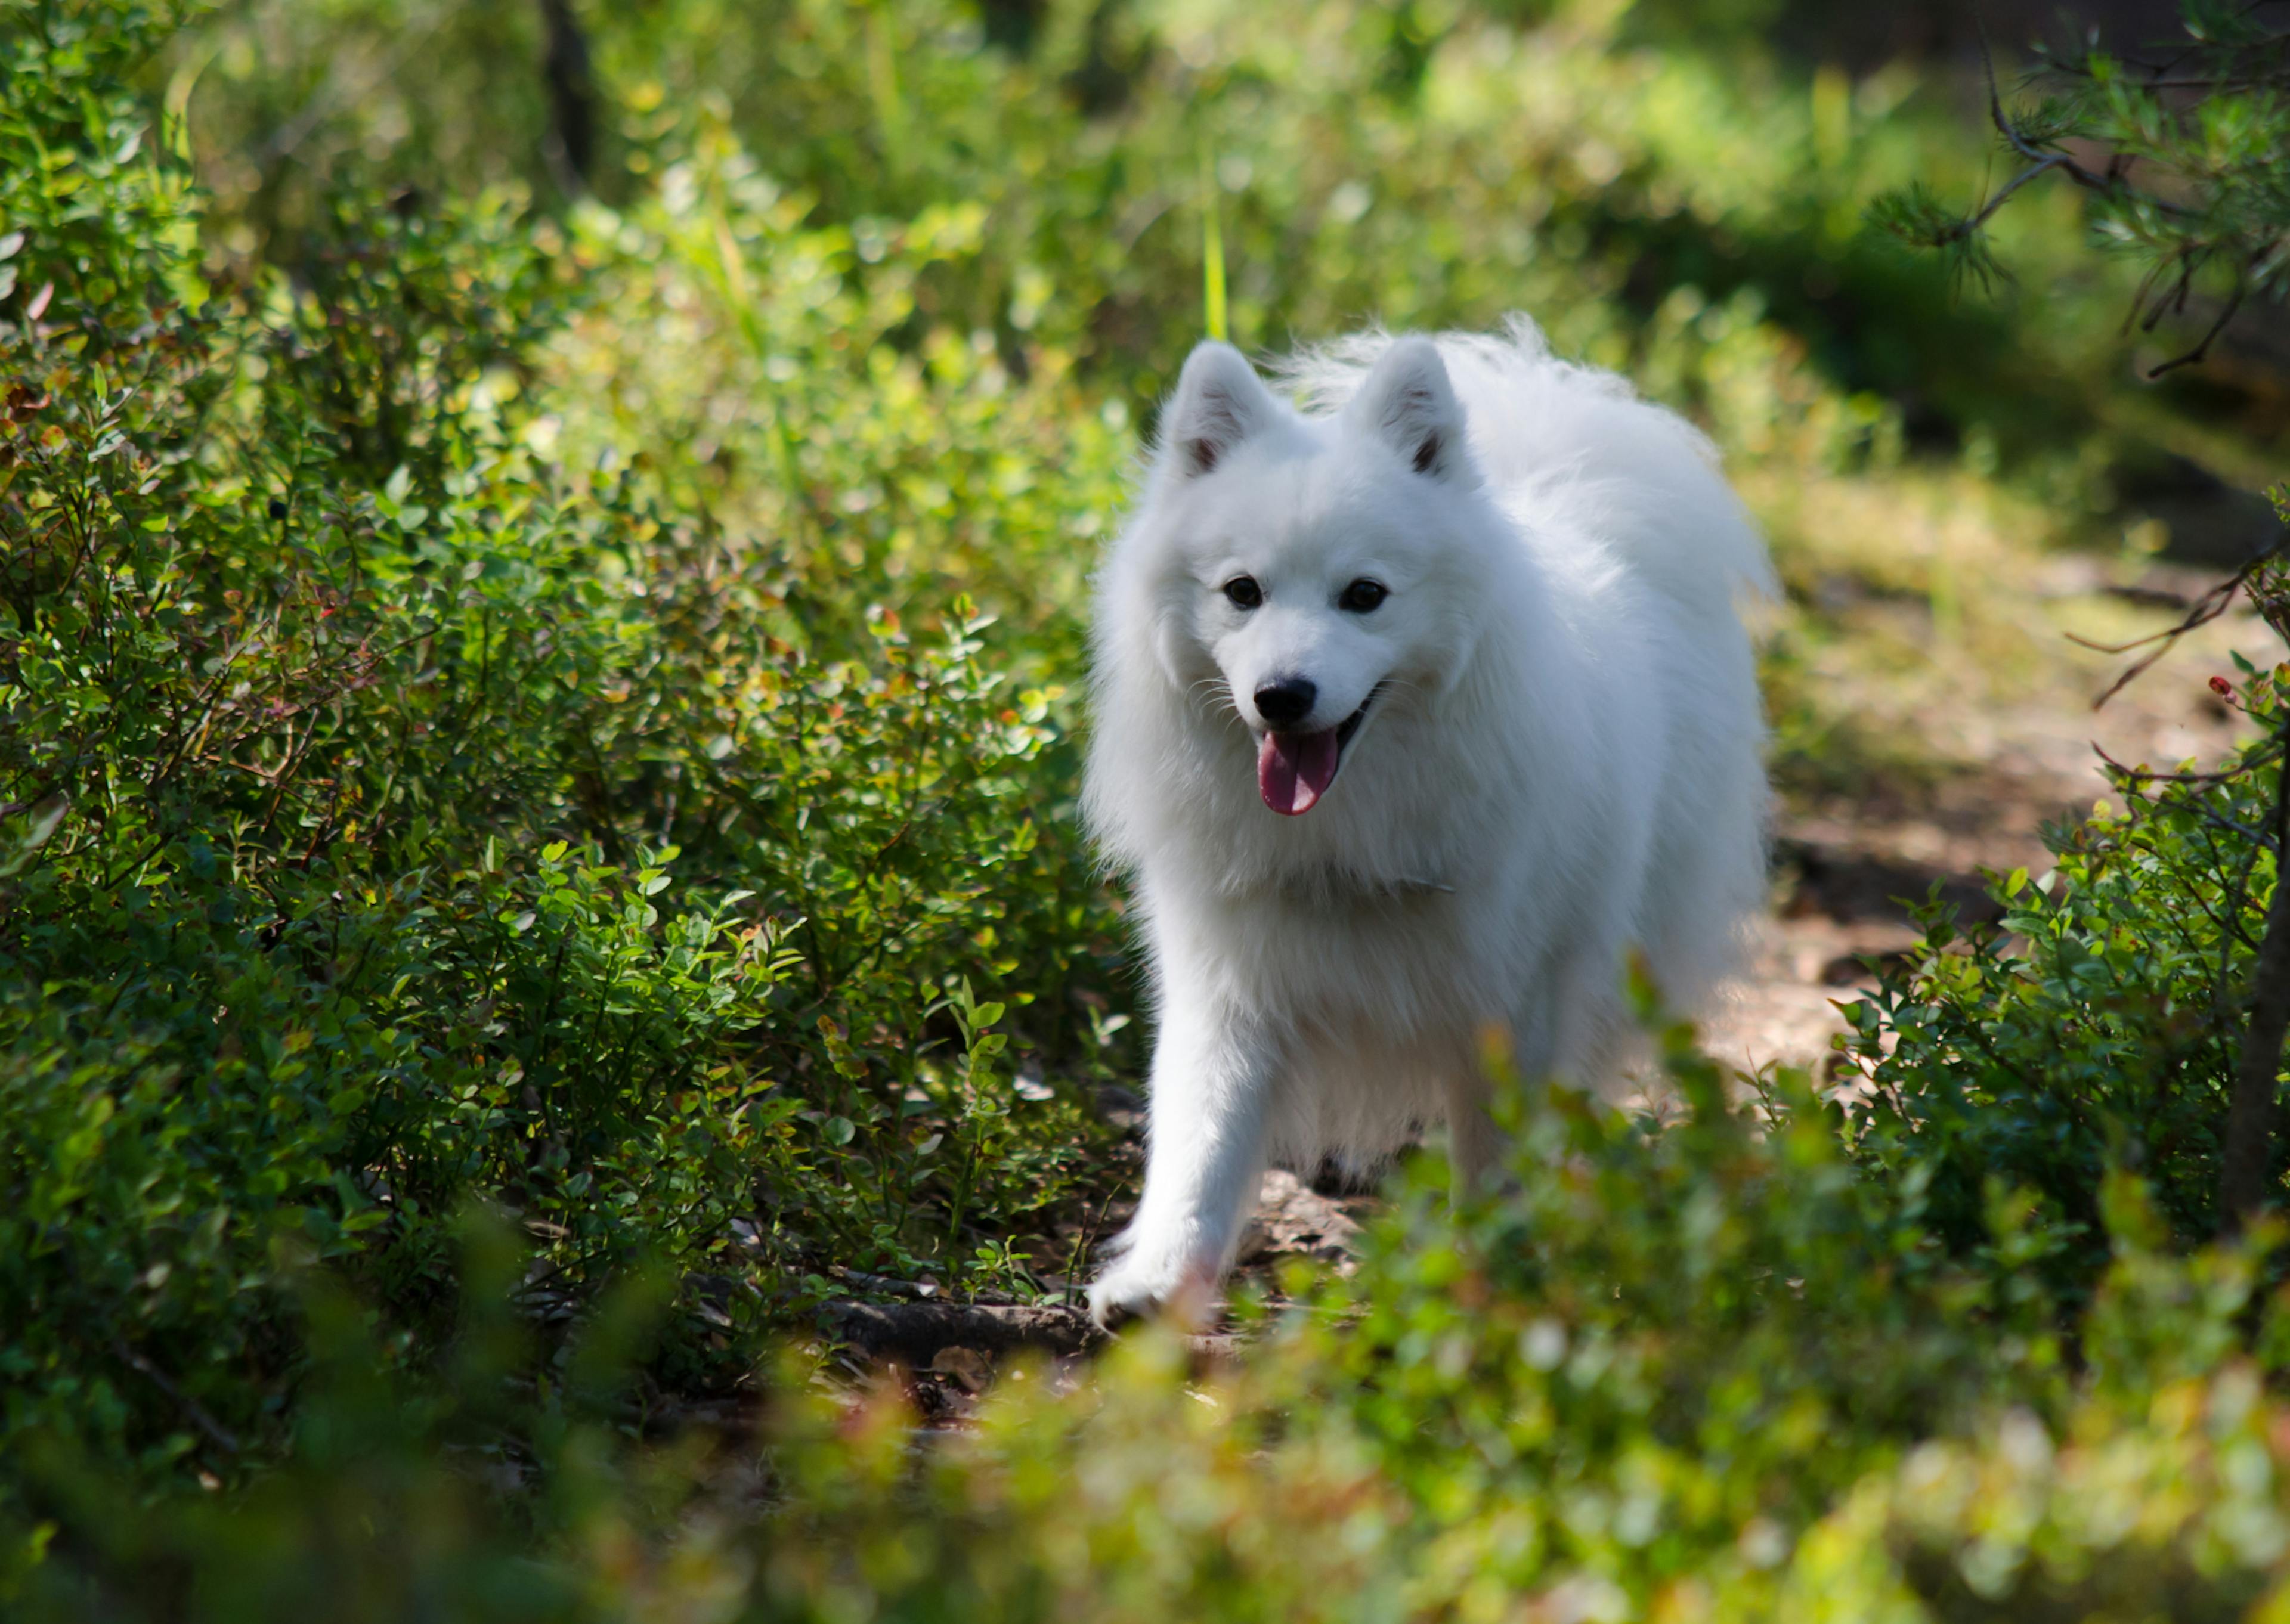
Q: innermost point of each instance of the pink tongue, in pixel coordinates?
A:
(1293, 770)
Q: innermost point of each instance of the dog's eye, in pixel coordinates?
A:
(1244, 592)
(1362, 595)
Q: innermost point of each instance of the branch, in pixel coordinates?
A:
(1987, 210)
(915, 1332)
(217, 1434)
(2202, 345)
(2021, 144)
(2226, 775)
(2133, 777)
(2089, 179)
(2208, 608)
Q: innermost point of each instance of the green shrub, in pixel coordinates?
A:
(396, 819)
(536, 761)
(1706, 1371)
(2092, 1025)
(1422, 165)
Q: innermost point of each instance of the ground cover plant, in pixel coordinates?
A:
(541, 662)
(354, 754)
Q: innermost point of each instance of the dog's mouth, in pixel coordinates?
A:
(1294, 770)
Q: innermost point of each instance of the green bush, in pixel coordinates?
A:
(1419, 164)
(2092, 1025)
(537, 751)
(1710, 1372)
(396, 818)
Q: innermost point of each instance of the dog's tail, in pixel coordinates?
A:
(1553, 437)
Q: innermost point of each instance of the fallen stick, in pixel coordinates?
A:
(915, 1332)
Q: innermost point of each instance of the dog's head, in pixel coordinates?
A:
(1316, 568)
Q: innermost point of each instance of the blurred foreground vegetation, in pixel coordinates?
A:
(545, 554)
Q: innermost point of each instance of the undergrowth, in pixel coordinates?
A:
(536, 842)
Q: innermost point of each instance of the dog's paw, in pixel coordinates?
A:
(1141, 1287)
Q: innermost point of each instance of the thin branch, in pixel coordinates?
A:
(2188, 259)
(217, 1434)
(1967, 226)
(2208, 608)
(2194, 804)
(2202, 347)
(2089, 179)
(2225, 775)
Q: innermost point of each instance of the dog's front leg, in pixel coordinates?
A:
(1204, 1160)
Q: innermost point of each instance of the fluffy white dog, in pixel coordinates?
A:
(1416, 709)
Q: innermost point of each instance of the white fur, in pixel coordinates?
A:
(1563, 763)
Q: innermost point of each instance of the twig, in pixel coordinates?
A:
(922, 1289)
(217, 1434)
(2034, 154)
(2202, 345)
(2257, 837)
(1967, 226)
(2208, 608)
(2225, 775)
(1086, 1241)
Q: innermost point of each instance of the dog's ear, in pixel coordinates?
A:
(1220, 402)
(1407, 401)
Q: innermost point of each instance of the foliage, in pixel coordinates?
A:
(396, 819)
(2192, 191)
(2130, 1006)
(536, 744)
(2086, 1028)
(2098, 1022)
(1422, 165)
(1704, 1372)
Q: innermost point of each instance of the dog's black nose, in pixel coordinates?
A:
(1285, 702)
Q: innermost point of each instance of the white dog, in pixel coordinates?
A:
(1416, 711)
